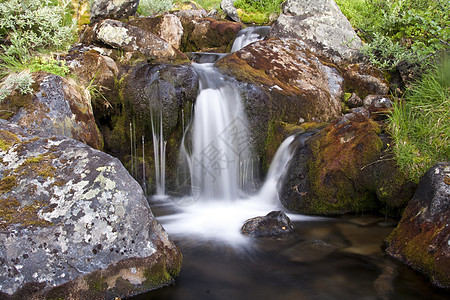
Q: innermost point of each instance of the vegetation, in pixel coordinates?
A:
(397, 30)
(258, 12)
(420, 126)
(149, 7)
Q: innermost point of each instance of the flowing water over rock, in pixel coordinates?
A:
(249, 35)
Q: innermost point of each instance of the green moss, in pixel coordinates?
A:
(40, 165)
(7, 183)
(157, 275)
(12, 212)
(256, 18)
(7, 140)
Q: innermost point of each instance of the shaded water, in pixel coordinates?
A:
(325, 258)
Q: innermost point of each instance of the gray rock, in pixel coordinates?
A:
(275, 223)
(116, 9)
(129, 38)
(74, 223)
(321, 24)
(228, 8)
(60, 106)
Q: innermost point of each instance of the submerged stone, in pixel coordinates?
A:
(275, 223)
(74, 224)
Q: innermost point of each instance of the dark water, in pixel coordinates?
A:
(333, 258)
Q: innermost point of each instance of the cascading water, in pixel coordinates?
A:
(159, 150)
(220, 139)
(249, 35)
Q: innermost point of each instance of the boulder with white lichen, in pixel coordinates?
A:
(74, 224)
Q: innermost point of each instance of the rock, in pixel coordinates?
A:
(321, 24)
(379, 106)
(129, 38)
(422, 238)
(340, 170)
(364, 80)
(167, 26)
(354, 101)
(208, 35)
(74, 223)
(304, 87)
(228, 8)
(116, 9)
(60, 106)
(275, 223)
(162, 90)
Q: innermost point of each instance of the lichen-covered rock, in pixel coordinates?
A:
(167, 26)
(304, 86)
(364, 80)
(422, 238)
(340, 170)
(321, 24)
(129, 38)
(208, 35)
(115, 9)
(59, 106)
(74, 224)
(273, 224)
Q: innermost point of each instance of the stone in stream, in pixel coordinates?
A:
(117, 9)
(74, 224)
(275, 223)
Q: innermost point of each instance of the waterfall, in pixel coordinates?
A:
(220, 138)
(249, 35)
(159, 151)
(278, 167)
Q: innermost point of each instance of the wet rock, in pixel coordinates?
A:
(208, 35)
(378, 106)
(74, 224)
(129, 38)
(167, 26)
(275, 223)
(117, 9)
(302, 85)
(309, 251)
(422, 238)
(60, 106)
(321, 24)
(228, 8)
(339, 170)
(384, 284)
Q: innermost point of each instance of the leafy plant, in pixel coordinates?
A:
(21, 82)
(29, 26)
(148, 7)
(420, 126)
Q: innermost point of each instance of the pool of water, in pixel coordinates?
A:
(324, 258)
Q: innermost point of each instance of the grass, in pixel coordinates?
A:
(420, 125)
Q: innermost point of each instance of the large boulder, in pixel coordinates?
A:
(74, 223)
(345, 167)
(116, 9)
(167, 26)
(306, 87)
(128, 38)
(321, 24)
(422, 238)
(59, 106)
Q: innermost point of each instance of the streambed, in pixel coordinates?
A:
(324, 258)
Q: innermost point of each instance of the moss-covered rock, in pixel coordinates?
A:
(74, 224)
(343, 168)
(421, 239)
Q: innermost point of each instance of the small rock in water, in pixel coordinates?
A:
(275, 223)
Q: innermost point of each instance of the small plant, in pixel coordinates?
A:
(149, 7)
(420, 126)
(21, 82)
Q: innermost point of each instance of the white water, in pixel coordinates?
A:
(159, 150)
(249, 35)
(220, 139)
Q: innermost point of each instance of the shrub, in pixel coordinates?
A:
(257, 11)
(21, 82)
(148, 7)
(420, 127)
(30, 26)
